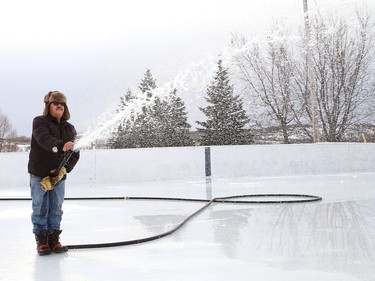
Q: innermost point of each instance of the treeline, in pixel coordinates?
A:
(271, 76)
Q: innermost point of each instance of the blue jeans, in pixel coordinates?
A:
(46, 205)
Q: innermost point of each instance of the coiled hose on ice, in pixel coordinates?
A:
(298, 198)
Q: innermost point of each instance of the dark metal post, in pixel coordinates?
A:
(207, 154)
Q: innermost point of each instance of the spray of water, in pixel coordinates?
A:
(108, 122)
(191, 83)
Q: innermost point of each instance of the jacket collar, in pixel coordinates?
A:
(54, 119)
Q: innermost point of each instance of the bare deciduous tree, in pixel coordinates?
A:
(343, 66)
(342, 62)
(6, 131)
(269, 75)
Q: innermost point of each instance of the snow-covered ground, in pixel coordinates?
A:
(333, 239)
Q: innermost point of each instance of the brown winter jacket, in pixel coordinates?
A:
(47, 140)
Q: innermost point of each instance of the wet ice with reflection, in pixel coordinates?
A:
(328, 240)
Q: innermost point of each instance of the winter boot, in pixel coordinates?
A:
(54, 244)
(42, 243)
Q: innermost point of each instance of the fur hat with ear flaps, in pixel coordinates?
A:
(56, 96)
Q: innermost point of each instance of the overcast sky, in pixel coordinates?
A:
(94, 50)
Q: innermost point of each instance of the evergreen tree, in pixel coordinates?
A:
(226, 117)
(178, 118)
(171, 126)
(145, 123)
(161, 122)
(123, 137)
(148, 84)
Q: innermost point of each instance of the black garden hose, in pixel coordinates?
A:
(63, 162)
(302, 198)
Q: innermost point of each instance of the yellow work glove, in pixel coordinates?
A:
(48, 183)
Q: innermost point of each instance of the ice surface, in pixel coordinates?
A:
(329, 240)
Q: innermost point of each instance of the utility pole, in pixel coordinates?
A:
(311, 75)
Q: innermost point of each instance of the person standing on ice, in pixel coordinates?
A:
(52, 137)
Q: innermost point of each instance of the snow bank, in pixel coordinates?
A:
(121, 165)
